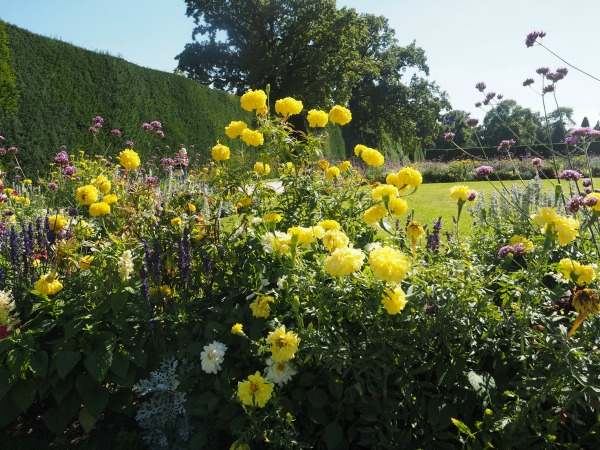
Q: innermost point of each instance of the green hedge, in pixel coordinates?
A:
(62, 87)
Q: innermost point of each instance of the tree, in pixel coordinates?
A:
(585, 123)
(508, 120)
(455, 121)
(557, 122)
(310, 50)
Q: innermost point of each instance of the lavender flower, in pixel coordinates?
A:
(587, 182)
(185, 259)
(572, 140)
(528, 82)
(484, 171)
(52, 186)
(480, 86)
(547, 89)
(506, 250)
(542, 70)
(574, 204)
(433, 239)
(571, 175)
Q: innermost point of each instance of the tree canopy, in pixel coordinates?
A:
(312, 51)
(509, 120)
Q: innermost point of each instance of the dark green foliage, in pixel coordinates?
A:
(63, 87)
(585, 122)
(8, 87)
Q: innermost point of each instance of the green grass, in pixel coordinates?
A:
(432, 201)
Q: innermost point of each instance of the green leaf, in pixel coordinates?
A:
(94, 396)
(23, 394)
(462, 428)
(317, 397)
(18, 360)
(7, 380)
(237, 424)
(483, 385)
(87, 419)
(8, 411)
(65, 361)
(56, 421)
(198, 441)
(333, 436)
(118, 301)
(97, 363)
(39, 363)
(120, 363)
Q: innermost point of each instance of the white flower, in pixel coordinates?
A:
(372, 246)
(7, 305)
(212, 356)
(281, 281)
(256, 220)
(279, 372)
(125, 265)
(277, 242)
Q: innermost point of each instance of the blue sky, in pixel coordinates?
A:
(466, 41)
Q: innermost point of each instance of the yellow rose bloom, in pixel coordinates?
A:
(340, 115)
(332, 172)
(272, 217)
(288, 106)
(460, 193)
(234, 129)
(372, 157)
(398, 206)
(260, 306)
(393, 301)
(86, 195)
(374, 214)
(384, 190)
(284, 344)
(176, 221)
(345, 166)
(409, 177)
(323, 164)
(335, 239)
(86, 262)
(256, 391)
(262, 168)
(330, 225)
(344, 261)
(129, 159)
(57, 222)
(317, 118)
(220, 152)
(254, 100)
(48, 284)
(110, 199)
(389, 264)
(99, 209)
(253, 138)
(238, 328)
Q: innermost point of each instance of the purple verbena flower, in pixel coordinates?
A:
(116, 132)
(506, 144)
(499, 96)
(584, 131)
(507, 249)
(563, 71)
(98, 119)
(528, 82)
(69, 170)
(484, 171)
(12, 150)
(572, 140)
(574, 204)
(480, 86)
(590, 201)
(156, 124)
(147, 127)
(478, 105)
(62, 159)
(52, 186)
(542, 70)
(160, 134)
(547, 89)
(490, 95)
(2, 151)
(93, 130)
(472, 196)
(129, 144)
(471, 121)
(449, 136)
(586, 183)
(571, 175)
(533, 36)
(536, 162)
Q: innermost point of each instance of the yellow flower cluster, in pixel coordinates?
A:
(254, 100)
(86, 195)
(374, 214)
(332, 172)
(345, 166)
(329, 225)
(99, 209)
(385, 191)
(102, 183)
(255, 391)
(398, 206)
(369, 155)
(334, 239)
(340, 115)
(304, 236)
(272, 218)
(176, 221)
(237, 328)
(462, 193)
(220, 152)
(260, 306)
(579, 273)
(317, 118)
(284, 344)
(235, 128)
(389, 264)
(344, 261)
(129, 159)
(110, 199)
(566, 229)
(405, 178)
(252, 137)
(323, 164)
(288, 106)
(393, 301)
(262, 168)
(414, 231)
(57, 222)
(48, 284)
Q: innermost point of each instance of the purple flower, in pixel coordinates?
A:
(69, 170)
(518, 249)
(93, 130)
(12, 150)
(590, 201)
(532, 37)
(499, 96)
(569, 174)
(192, 146)
(587, 182)
(167, 147)
(449, 136)
(554, 76)
(484, 171)
(536, 162)
(562, 71)
(574, 204)
(147, 127)
(584, 131)
(2, 151)
(480, 86)
(471, 121)
(156, 124)
(507, 249)
(472, 196)
(160, 134)
(98, 125)
(129, 144)
(2, 138)
(572, 140)
(490, 95)
(63, 147)
(52, 186)
(152, 181)
(62, 159)
(528, 82)
(478, 105)
(547, 89)
(116, 132)
(542, 70)
(98, 119)
(588, 190)
(506, 144)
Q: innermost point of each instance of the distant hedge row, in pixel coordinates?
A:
(62, 87)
